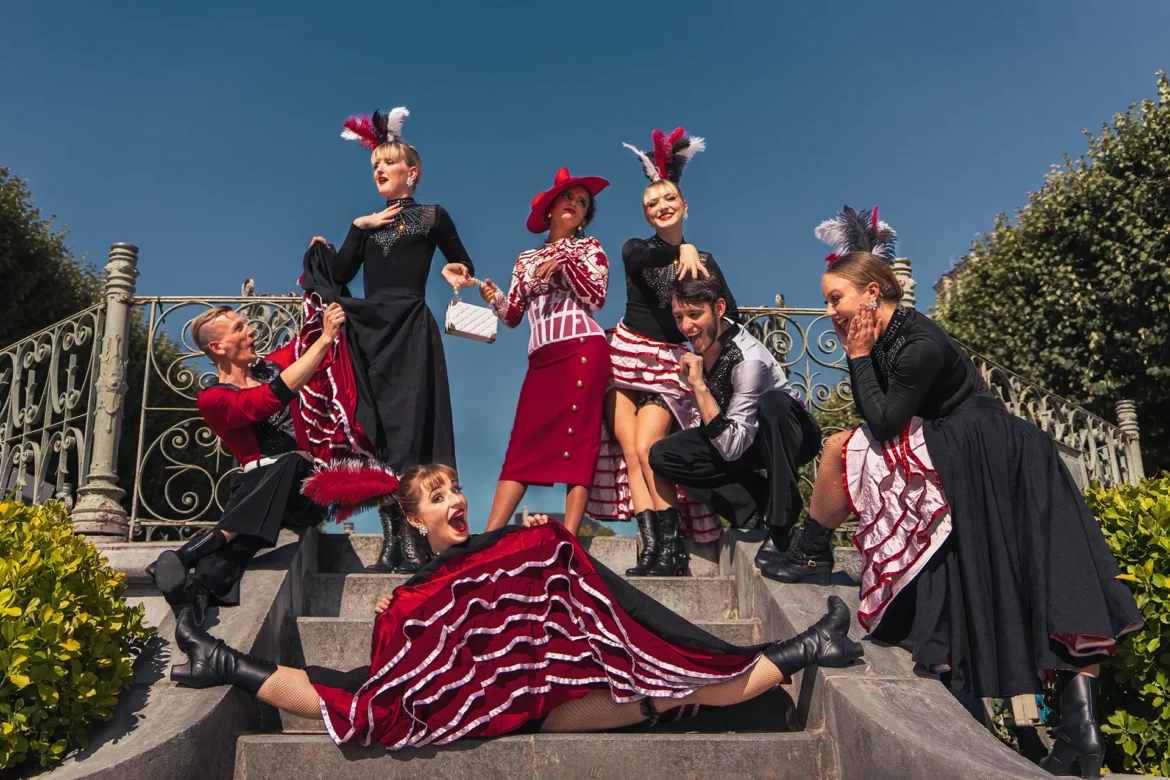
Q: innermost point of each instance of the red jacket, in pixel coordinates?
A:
(238, 415)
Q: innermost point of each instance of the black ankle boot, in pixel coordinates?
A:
(809, 557)
(775, 544)
(824, 643)
(672, 555)
(415, 553)
(198, 547)
(648, 522)
(391, 556)
(210, 662)
(1080, 747)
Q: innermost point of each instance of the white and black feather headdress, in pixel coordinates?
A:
(857, 231)
(671, 154)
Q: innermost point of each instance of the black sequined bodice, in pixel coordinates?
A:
(275, 434)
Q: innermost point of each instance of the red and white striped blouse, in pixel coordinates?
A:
(559, 307)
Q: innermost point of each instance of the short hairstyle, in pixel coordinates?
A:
(701, 291)
(202, 321)
(394, 151)
(861, 268)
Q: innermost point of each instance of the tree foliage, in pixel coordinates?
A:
(1074, 292)
(45, 283)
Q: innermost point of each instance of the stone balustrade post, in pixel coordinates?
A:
(1128, 423)
(99, 510)
(901, 267)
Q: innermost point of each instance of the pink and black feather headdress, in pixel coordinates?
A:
(348, 486)
(373, 131)
(857, 231)
(671, 154)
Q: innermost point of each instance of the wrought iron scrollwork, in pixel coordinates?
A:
(184, 470)
(46, 408)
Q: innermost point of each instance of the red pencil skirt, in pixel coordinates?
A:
(557, 433)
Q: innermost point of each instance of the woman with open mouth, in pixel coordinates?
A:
(557, 433)
(516, 629)
(403, 403)
(647, 397)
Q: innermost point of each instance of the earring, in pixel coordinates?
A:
(873, 305)
(548, 215)
(410, 182)
(421, 530)
(580, 231)
(684, 215)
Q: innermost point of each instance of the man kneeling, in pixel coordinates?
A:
(752, 422)
(253, 409)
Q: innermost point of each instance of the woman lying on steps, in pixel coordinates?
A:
(516, 629)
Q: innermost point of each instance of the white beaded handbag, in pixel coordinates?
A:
(465, 320)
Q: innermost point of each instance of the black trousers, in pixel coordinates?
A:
(788, 438)
(262, 501)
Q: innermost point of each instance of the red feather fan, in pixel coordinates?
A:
(349, 486)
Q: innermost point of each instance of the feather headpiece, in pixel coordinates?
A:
(671, 154)
(857, 231)
(349, 486)
(373, 131)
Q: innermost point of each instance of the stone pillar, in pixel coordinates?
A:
(1128, 423)
(99, 510)
(902, 271)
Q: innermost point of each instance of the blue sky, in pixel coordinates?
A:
(207, 134)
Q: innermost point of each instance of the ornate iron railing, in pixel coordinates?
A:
(183, 469)
(804, 342)
(63, 392)
(47, 406)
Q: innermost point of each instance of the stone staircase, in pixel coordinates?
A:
(756, 739)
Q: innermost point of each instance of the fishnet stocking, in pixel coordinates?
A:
(598, 711)
(290, 690)
(828, 505)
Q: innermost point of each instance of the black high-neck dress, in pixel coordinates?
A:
(404, 402)
(1024, 580)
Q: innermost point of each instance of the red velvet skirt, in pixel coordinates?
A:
(557, 433)
(504, 629)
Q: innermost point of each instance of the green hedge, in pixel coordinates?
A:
(1136, 682)
(67, 640)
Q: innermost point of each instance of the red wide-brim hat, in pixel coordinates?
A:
(538, 220)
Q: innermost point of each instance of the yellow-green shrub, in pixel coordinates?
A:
(1135, 687)
(67, 640)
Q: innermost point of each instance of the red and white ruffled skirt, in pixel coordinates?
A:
(521, 621)
(647, 366)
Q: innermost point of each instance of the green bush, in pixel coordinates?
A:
(1135, 688)
(67, 640)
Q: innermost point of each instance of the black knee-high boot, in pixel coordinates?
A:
(415, 553)
(169, 571)
(391, 556)
(1079, 747)
(672, 554)
(211, 662)
(648, 522)
(824, 643)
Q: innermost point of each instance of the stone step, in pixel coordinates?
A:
(342, 553)
(344, 643)
(647, 756)
(354, 595)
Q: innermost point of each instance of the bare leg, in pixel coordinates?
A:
(290, 690)
(576, 499)
(229, 535)
(1092, 671)
(598, 710)
(507, 498)
(621, 411)
(828, 506)
(653, 423)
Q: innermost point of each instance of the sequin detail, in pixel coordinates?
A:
(659, 279)
(886, 349)
(413, 220)
(718, 379)
(275, 434)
